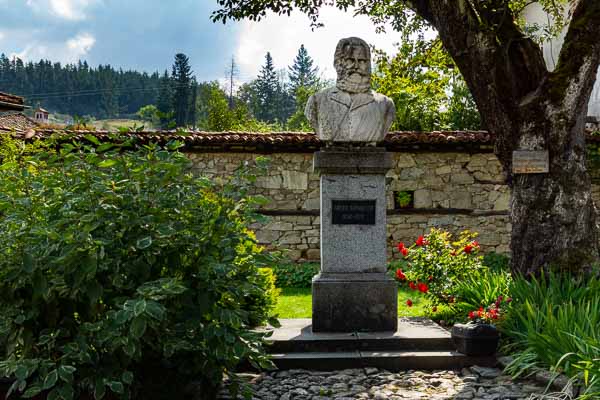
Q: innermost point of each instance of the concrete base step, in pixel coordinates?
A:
(295, 335)
(419, 343)
(391, 360)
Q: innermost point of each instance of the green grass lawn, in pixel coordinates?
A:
(297, 303)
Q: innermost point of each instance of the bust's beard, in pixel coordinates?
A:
(348, 84)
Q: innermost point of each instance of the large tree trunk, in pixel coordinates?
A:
(527, 107)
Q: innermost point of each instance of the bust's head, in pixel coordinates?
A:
(352, 62)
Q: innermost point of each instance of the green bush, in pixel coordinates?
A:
(481, 289)
(258, 303)
(496, 261)
(121, 272)
(295, 275)
(553, 322)
(435, 264)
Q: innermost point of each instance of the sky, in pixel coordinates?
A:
(146, 34)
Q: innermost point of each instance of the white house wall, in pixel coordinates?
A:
(534, 14)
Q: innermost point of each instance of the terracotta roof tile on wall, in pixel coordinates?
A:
(289, 141)
(15, 121)
(11, 98)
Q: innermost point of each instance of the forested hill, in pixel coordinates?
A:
(78, 89)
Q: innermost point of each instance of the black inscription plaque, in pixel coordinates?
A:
(353, 212)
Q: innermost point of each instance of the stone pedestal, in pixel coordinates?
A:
(353, 292)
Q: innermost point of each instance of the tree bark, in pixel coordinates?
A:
(527, 107)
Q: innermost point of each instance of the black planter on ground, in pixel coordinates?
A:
(475, 339)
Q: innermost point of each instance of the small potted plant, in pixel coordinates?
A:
(480, 337)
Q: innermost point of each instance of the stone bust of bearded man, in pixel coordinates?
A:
(351, 111)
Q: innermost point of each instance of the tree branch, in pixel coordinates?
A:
(579, 57)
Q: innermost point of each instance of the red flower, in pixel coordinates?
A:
(475, 244)
(409, 302)
(468, 248)
(451, 300)
(404, 251)
(480, 312)
(471, 315)
(412, 285)
(493, 313)
(508, 299)
(434, 309)
(423, 288)
(400, 246)
(420, 241)
(430, 278)
(400, 275)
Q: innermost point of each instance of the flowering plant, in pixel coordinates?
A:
(434, 264)
(492, 314)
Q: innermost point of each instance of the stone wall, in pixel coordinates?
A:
(453, 190)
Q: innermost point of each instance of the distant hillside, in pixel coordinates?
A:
(78, 89)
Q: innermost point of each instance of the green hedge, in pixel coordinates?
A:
(119, 270)
(295, 275)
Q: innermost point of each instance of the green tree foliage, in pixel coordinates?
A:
(302, 73)
(165, 101)
(181, 78)
(298, 121)
(149, 114)
(78, 89)
(428, 94)
(267, 87)
(462, 110)
(216, 116)
(123, 275)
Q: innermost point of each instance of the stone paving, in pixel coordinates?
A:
(474, 383)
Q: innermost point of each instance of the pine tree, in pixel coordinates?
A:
(165, 100)
(181, 78)
(302, 73)
(266, 88)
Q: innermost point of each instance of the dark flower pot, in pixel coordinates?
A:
(475, 339)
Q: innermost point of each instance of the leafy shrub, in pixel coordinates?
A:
(434, 265)
(553, 322)
(258, 304)
(496, 261)
(295, 275)
(481, 289)
(120, 269)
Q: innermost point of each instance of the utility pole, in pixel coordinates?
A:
(232, 72)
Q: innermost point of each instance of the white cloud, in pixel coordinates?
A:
(73, 10)
(1, 35)
(70, 51)
(81, 44)
(283, 35)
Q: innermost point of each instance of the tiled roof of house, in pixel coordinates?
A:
(16, 121)
(289, 141)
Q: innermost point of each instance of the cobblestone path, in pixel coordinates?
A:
(477, 383)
